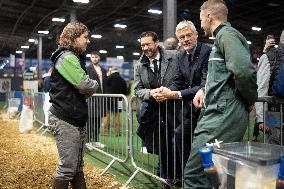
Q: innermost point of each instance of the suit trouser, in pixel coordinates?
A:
(183, 136)
(70, 141)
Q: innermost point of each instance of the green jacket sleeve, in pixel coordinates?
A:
(237, 57)
(69, 67)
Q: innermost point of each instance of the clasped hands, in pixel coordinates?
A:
(163, 93)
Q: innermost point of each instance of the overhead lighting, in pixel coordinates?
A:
(120, 26)
(96, 36)
(256, 28)
(25, 47)
(81, 1)
(212, 38)
(102, 51)
(138, 40)
(249, 42)
(31, 40)
(154, 11)
(58, 19)
(88, 55)
(136, 53)
(19, 52)
(276, 46)
(273, 4)
(119, 46)
(120, 57)
(43, 32)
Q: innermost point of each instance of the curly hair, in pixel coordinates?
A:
(70, 32)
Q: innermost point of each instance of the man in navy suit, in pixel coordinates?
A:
(191, 76)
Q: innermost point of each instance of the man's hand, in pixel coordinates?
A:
(198, 98)
(264, 128)
(155, 93)
(167, 93)
(249, 108)
(268, 44)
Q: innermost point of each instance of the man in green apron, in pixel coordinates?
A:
(229, 93)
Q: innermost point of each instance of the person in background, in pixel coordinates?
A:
(268, 67)
(229, 93)
(46, 81)
(171, 43)
(115, 84)
(96, 107)
(69, 87)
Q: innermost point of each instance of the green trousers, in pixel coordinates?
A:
(226, 121)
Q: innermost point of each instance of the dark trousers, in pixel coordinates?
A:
(170, 167)
(183, 136)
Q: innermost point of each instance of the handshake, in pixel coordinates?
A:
(163, 93)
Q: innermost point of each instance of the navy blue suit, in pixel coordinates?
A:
(191, 76)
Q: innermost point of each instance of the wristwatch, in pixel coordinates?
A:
(179, 94)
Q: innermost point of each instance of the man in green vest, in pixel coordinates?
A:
(229, 93)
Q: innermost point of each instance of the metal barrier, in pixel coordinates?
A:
(162, 160)
(273, 117)
(111, 110)
(41, 106)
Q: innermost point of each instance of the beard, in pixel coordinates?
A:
(149, 53)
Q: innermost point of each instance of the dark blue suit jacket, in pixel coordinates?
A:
(192, 76)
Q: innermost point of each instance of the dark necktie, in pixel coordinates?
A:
(156, 69)
(189, 58)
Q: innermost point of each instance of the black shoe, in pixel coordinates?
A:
(177, 183)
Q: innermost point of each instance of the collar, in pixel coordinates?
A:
(215, 32)
(145, 60)
(192, 52)
(158, 56)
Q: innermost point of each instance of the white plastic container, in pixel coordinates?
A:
(247, 165)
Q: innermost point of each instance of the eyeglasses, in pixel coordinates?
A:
(187, 35)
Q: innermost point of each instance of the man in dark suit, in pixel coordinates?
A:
(191, 76)
(95, 72)
(155, 68)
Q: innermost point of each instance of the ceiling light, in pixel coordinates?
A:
(273, 4)
(102, 51)
(43, 32)
(136, 53)
(138, 40)
(249, 42)
(88, 55)
(31, 40)
(120, 26)
(25, 47)
(119, 46)
(256, 28)
(81, 1)
(58, 19)
(212, 38)
(96, 36)
(120, 57)
(276, 46)
(19, 52)
(154, 11)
